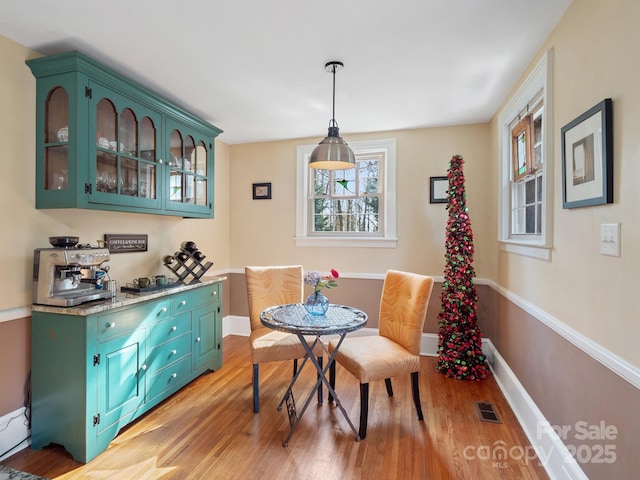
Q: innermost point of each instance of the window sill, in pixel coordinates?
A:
(346, 242)
(541, 252)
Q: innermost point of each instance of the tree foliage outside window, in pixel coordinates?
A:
(349, 200)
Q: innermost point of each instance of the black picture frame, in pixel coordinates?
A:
(262, 191)
(438, 189)
(587, 158)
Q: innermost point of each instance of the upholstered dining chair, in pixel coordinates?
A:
(396, 349)
(268, 286)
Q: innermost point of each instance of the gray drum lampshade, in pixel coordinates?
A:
(332, 153)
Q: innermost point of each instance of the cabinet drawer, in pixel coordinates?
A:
(119, 321)
(167, 353)
(169, 329)
(171, 378)
(184, 301)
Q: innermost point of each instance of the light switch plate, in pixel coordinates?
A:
(610, 239)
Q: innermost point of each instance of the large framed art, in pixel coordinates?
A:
(587, 158)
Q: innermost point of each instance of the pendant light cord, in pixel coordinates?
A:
(333, 116)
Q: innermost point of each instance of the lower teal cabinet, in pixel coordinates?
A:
(120, 387)
(208, 338)
(94, 374)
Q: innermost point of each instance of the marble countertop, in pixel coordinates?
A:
(123, 299)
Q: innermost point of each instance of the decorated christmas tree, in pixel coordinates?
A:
(460, 339)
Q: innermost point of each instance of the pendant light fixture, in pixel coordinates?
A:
(333, 153)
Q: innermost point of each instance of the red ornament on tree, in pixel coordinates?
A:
(460, 339)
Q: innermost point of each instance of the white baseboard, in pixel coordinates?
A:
(235, 325)
(13, 430)
(551, 451)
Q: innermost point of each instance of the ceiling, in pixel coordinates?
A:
(255, 68)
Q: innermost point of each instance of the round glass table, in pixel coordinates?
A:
(293, 318)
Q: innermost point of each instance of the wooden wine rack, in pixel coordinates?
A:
(187, 262)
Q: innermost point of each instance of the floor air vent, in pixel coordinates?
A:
(487, 413)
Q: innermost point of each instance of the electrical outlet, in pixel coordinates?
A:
(610, 239)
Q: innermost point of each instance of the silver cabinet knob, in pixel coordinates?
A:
(111, 325)
(174, 375)
(198, 339)
(173, 352)
(164, 309)
(143, 367)
(174, 328)
(183, 302)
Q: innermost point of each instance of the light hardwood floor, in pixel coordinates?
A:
(208, 430)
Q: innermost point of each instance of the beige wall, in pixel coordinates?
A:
(24, 228)
(263, 232)
(594, 58)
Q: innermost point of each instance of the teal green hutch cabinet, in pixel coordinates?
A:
(104, 142)
(97, 368)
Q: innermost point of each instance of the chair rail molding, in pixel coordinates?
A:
(613, 362)
(14, 314)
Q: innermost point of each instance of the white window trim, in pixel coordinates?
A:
(541, 78)
(389, 240)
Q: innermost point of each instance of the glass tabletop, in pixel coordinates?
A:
(293, 318)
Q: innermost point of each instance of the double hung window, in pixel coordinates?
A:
(525, 201)
(527, 162)
(354, 207)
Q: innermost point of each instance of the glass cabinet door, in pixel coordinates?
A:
(126, 165)
(148, 159)
(200, 176)
(176, 175)
(188, 170)
(106, 159)
(56, 140)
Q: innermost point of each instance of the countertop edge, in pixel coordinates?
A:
(124, 299)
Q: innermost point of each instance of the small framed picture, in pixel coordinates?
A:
(438, 189)
(587, 158)
(262, 191)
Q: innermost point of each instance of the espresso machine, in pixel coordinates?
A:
(69, 274)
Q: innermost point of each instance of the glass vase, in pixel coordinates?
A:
(316, 304)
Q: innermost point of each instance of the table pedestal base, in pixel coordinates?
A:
(294, 418)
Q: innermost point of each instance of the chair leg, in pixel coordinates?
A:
(295, 366)
(318, 376)
(415, 390)
(387, 382)
(332, 379)
(364, 409)
(256, 401)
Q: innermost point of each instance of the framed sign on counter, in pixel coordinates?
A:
(125, 243)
